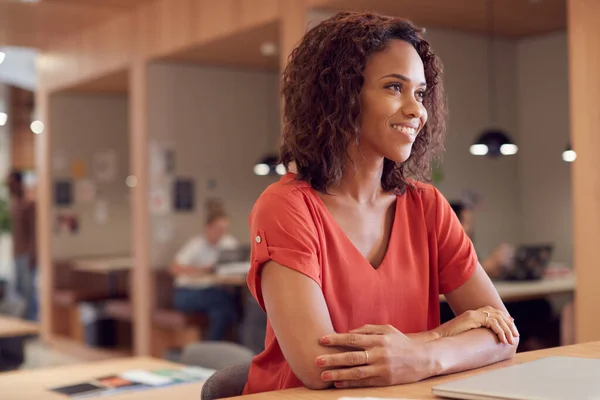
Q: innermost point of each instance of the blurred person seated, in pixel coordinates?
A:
(538, 325)
(193, 269)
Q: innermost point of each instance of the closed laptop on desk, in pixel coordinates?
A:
(552, 378)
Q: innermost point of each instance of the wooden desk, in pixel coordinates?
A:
(421, 390)
(34, 384)
(103, 265)
(515, 291)
(14, 327)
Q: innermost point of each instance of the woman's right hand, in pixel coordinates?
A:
(487, 317)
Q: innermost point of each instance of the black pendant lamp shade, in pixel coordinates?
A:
(493, 143)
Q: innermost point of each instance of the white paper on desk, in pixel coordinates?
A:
(146, 378)
(370, 398)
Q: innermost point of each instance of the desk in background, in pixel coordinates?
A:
(420, 390)
(15, 327)
(528, 290)
(34, 384)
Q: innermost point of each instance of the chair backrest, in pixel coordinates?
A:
(227, 382)
(215, 354)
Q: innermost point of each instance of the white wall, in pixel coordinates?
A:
(544, 178)
(465, 61)
(220, 122)
(81, 125)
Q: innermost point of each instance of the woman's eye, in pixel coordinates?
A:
(420, 95)
(395, 87)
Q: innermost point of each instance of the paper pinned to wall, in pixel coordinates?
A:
(60, 162)
(78, 169)
(372, 398)
(160, 201)
(104, 165)
(85, 191)
(101, 212)
(164, 231)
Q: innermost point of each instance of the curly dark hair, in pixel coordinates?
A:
(321, 85)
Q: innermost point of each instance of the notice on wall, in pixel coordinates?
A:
(101, 212)
(183, 195)
(160, 201)
(163, 230)
(78, 169)
(60, 162)
(66, 223)
(105, 165)
(63, 193)
(85, 191)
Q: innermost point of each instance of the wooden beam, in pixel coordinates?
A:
(44, 216)
(584, 64)
(142, 291)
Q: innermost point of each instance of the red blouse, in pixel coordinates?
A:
(428, 254)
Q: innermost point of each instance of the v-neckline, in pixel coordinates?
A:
(332, 220)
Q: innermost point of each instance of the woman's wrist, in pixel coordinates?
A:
(424, 337)
(433, 359)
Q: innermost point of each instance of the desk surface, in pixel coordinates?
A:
(34, 384)
(422, 390)
(527, 290)
(103, 265)
(13, 327)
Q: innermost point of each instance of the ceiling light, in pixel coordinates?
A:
(493, 143)
(268, 49)
(2, 57)
(131, 181)
(37, 127)
(3, 119)
(569, 155)
(268, 165)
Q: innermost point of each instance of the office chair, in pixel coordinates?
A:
(231, 360)
(227, 382)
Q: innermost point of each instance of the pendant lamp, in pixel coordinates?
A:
(493, 141)
(268, 164)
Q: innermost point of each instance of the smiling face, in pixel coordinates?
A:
(392, 95)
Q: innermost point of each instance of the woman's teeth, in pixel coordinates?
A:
(404, 129)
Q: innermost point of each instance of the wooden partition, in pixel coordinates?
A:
(584, 70)
(114, 57)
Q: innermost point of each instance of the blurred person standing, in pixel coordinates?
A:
(23, 226)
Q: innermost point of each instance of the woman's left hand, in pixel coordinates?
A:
(381, 355)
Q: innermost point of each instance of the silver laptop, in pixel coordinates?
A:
(552, 378)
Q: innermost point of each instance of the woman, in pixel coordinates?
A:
(192, 268)
(349, 255)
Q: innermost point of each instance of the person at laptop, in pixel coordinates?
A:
(538, 326)
(193, 268)
(349, 255)
(495, 264)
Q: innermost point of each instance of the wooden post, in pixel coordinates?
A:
(43, 216)
(584, 80)
(142, 284)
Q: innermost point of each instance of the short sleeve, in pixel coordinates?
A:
(457, 259)
(187, 255)
(282, 230)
